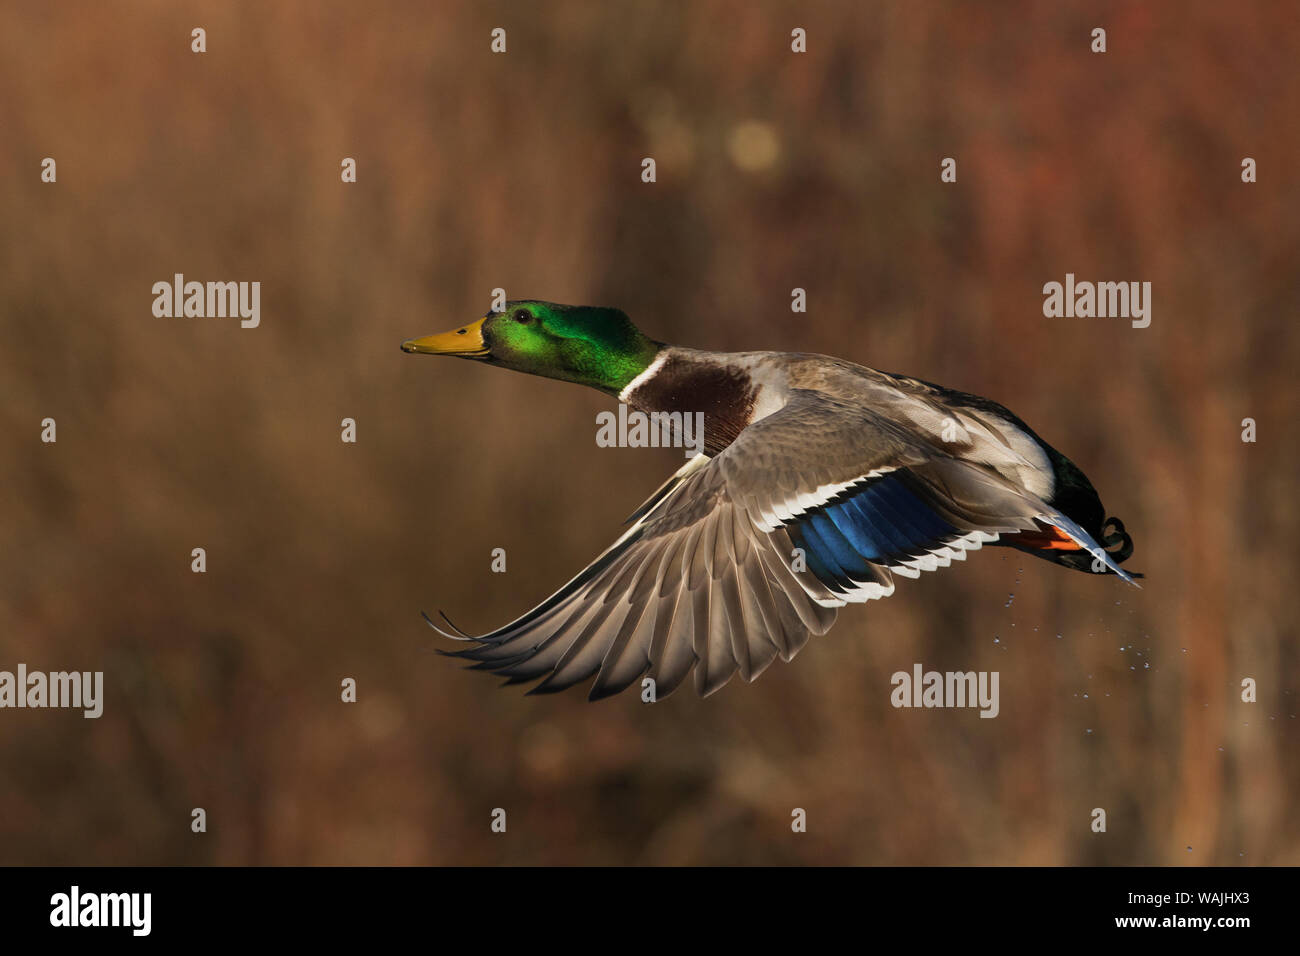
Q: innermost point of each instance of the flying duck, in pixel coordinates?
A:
(820, 483)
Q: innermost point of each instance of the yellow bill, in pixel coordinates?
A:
(467, 341)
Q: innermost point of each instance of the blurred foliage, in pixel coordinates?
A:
(522, 171)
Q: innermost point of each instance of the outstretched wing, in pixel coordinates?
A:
(739, 558)
(692, 582)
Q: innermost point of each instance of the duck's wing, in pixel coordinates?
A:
(692, 580)
(741, 557)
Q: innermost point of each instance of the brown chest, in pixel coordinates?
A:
(724, 394)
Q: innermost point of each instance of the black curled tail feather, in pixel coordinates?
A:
(1114, 536)
(1118, 536)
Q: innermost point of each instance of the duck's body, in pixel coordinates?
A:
(820, 481)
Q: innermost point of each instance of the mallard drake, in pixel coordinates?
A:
(820, 483)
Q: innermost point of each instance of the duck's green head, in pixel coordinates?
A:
(574, 343)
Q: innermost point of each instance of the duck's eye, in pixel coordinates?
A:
(523, 315)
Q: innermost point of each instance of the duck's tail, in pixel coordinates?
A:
(1065, 543)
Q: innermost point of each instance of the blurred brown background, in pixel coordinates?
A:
(522, 171)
